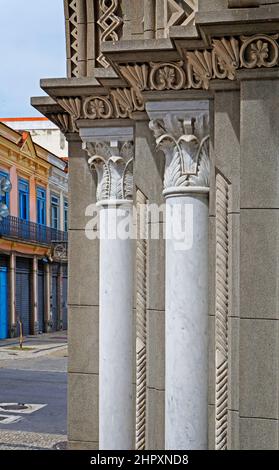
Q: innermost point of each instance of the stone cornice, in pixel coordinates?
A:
(195, 71)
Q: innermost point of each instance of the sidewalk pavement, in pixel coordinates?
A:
(33, 346)
(19, 440)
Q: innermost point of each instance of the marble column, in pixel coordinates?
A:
(183, 137)
(35, 295)
(113, 163)
(12, 291)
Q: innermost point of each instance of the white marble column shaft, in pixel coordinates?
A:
(113, 163)
(181, 132)
(116, 334)
(187, 323)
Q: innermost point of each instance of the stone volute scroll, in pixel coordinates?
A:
(185, 143)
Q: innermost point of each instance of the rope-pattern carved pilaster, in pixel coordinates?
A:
(141, 307)
(222, 311)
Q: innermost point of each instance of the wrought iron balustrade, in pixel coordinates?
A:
(16, 228)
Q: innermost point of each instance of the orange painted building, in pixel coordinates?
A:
(33, 237)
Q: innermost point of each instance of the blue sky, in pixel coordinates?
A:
(32, 46)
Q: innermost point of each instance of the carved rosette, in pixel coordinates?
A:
(114, 168)
(97, 107)
(259, 51)
(165, 76)
(186, 148)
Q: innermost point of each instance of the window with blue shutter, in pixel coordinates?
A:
(23, 196)
(41, 206)
(55, 209)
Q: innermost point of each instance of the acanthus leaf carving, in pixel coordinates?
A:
(114, 171)
(73, 107)
(123, 102)
(186, 150)
(199, 67)
(136, 75)
(62, 120)
(225, 58)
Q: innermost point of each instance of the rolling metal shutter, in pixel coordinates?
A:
(41, 296)
(4, 309)
(65, 297)
(55, 296)
(23, 291)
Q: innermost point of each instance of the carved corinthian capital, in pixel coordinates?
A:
(185, 144)
(114, 168)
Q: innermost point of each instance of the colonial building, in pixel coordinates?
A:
(43, 132)
(173, 343)
(33, 237)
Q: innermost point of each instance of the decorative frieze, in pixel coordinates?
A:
(114, 168)
(121, 103)
(221, 314)
(185, 144)
(226, 56)
(222, 61)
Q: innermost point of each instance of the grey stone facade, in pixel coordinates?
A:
(227, 54)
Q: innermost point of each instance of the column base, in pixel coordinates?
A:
(48, 326)
(13, 331)
(36, 328)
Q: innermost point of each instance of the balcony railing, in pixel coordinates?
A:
(13, 227)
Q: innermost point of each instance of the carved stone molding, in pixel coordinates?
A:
(73, 107)
(121, 103)
(62, 120)
(141, 322)
(114, 168)
(109, 23)
(72, 36)
(221, 314)
(226, 56)
(186, 148)
(180, 13)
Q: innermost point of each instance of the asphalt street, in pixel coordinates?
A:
(35, 380)
(36, 387)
